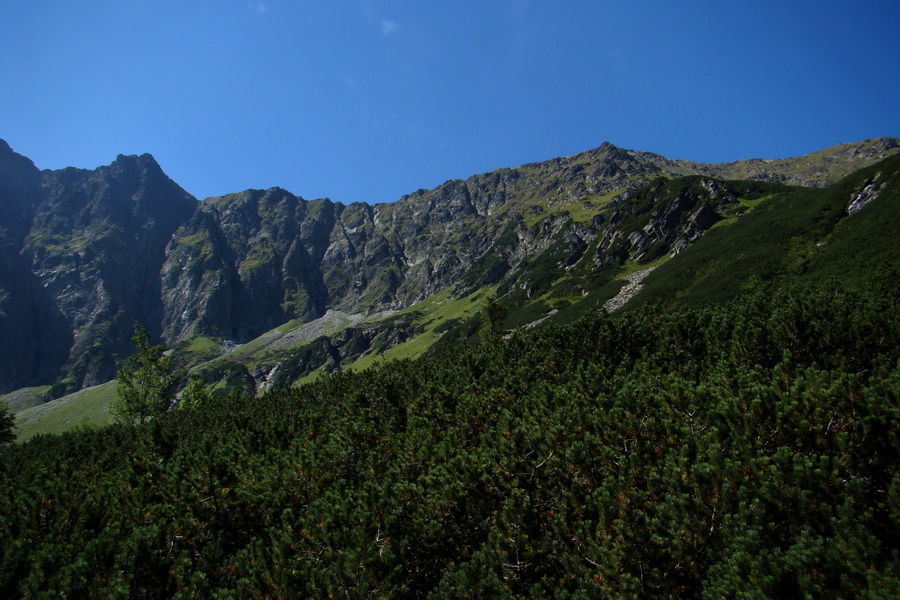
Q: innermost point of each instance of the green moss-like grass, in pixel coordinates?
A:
(89, 407)
(198, 350)
(24, 398)
(432, 314)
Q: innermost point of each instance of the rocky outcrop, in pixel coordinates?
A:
(866, 193)
(663, 218)
(245, 263)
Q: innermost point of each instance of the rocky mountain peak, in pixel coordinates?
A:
(16, 171)
(145, 160)
(87, 249)
(134, 168)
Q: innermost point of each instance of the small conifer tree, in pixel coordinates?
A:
(146, 384)
(7, 425)
(492, 315)
(194, 394)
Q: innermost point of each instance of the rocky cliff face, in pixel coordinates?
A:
(85, 254)
(26, 315)
(84, 257)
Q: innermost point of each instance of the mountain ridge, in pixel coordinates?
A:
(104, 248)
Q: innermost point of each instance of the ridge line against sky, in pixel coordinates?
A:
(365, 100)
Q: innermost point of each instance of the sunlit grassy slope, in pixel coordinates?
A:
(23, 398)
(432, 315)
(86, 408)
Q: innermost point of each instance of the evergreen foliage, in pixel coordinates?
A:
(147, 383)
(492, 315)
(193, 395)
(7, 425)
(749, 450)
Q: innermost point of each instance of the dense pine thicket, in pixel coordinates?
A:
(744, 450)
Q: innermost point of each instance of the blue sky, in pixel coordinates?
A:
(365, 100)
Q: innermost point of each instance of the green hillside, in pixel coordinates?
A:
(86, 408)
(800, 236)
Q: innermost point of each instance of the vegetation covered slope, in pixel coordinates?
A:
(741, 450)
(848, 231)
(755, 233)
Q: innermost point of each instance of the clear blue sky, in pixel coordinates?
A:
(365, 100)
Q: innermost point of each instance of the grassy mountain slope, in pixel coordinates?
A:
(801, 236)
(817, 169)
(85, 408)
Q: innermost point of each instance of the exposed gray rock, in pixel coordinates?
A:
(862, 197)
(629, 290)
(84, 256)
